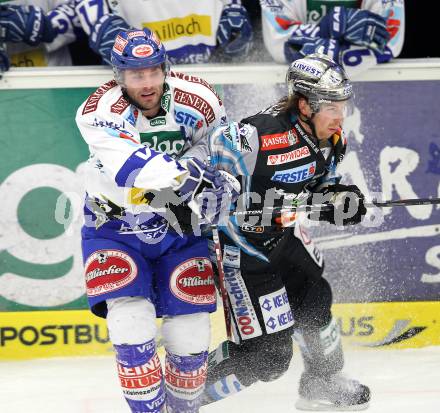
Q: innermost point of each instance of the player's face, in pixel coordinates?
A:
(145, 87)
(328, 120)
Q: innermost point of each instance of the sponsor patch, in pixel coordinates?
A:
(119, 106)
(253, 229)
(231, 256)
(179, 379)
(137, 33)
(299, 174)
(119, 45)
(93, 99)
(196, 102)
(182, 27)
(107, 271)
(276, 311)
(330, 337)
(158, 121)
(291, 156)
(135, 379)
(243, 309)
(143, 50)
(188, 119)
(192, 281)
(278, 140)
(307, 67)
(311, 248)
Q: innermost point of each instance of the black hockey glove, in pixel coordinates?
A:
(347, 203)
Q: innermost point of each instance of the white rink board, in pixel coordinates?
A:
(403, 381)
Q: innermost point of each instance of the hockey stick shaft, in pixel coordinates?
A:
(221, 278)
(329, 207)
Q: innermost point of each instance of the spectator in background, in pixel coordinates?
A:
(357, 35)
(190, 30)
(29, 36)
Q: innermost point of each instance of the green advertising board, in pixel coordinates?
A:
(42, 152)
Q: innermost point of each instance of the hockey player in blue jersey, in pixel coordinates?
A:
(139, 264)
(286, 155)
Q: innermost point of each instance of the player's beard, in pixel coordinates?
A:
(134, 101)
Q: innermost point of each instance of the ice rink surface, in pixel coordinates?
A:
(404, 381)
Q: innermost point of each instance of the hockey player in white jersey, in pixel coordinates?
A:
(190, 30)
(29, 33)
(137, 265)
(357, 34)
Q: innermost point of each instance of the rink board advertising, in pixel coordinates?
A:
(394, 149)
(31, 334)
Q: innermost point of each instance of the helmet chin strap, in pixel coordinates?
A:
(308, 120)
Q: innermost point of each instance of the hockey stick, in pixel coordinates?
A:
(329, 207)
(221, 278)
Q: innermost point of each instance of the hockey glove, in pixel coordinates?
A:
(347, 203)
(26, 24)
(207, 191)
(360, 27)
(297, 47)
(234, 33)
(103, 35)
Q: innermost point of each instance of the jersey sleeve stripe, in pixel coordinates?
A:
(128, 173)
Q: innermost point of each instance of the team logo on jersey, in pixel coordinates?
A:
(193, 281)
(299, 174)
(279, 140)
(291, 156)
(107, 271)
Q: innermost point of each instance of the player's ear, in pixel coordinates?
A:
(303, 107)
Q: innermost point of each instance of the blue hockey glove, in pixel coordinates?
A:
(360, 27)
(4, 61)
(104, 33)
(207, 191)
(234, 33)
(347, 202)
(296, 47)
(26, 24)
